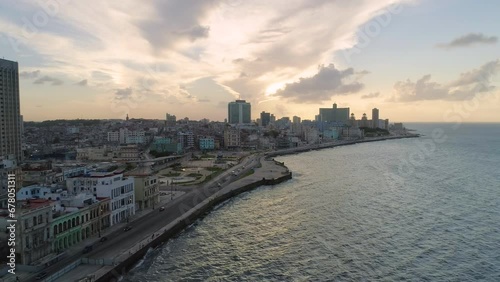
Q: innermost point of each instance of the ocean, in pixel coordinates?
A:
(419, 209)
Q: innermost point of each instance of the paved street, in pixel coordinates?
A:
(75, 252)
(146, 222)
(143, 227)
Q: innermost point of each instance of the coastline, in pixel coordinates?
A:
(174, 228)
(271, 172)
(171, 230)
(336, 144)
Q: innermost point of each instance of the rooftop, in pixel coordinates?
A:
(33, 204)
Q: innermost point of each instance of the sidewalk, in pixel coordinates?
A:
(164, 200)
(262, 169)
(78, 248)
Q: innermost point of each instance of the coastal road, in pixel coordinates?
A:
(144, 227)
(121, 241)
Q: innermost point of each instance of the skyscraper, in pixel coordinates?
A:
(10, 113)
(239, 112)
(171, 120)
(296, 124)
(334, 114)
(265, 118)
(375, 118)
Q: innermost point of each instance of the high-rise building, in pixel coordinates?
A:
(375, 118)
(239, 112)
(171, 120)
(334, 114)
(296, 125)
(296, 120)
(10, 113)
(272, 119)
(265, 118)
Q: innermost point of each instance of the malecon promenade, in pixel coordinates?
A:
(113, 258)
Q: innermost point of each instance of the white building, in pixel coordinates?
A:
(133, 137)
(114, 186)
(380, 124)
(113, 136)
(72, 130)
(125, 136)
(311, 135)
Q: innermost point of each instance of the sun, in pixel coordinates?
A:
(271, 89)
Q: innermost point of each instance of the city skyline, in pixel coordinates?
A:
(267, 54)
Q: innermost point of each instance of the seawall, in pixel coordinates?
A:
(174, 228)
(332, 145)
(182, 222)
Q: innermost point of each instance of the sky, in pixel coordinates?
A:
(414, 60)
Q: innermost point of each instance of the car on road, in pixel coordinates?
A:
(127, 228)
(218, 184)
(87, 249)
(104, 238)
(41, 275)
(162, 209)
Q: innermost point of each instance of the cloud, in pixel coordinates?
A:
(195, 32)
(466, 87)
(82, 83)
(52, 80)
(277, 42)
(482, 75)
(322, 86)
(289, 40)
(29, 74)
(371, 95)
(422, 89)
(176, 21)
(363, 72)
(122, 94)
(101, 76)
(468, 40)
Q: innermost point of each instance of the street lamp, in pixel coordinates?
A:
(171, 190)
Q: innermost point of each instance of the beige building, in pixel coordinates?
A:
(104, 153)
(231, 137)
(33, 236)
(146, 187)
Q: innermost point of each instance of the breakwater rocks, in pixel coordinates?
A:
(175, 227)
